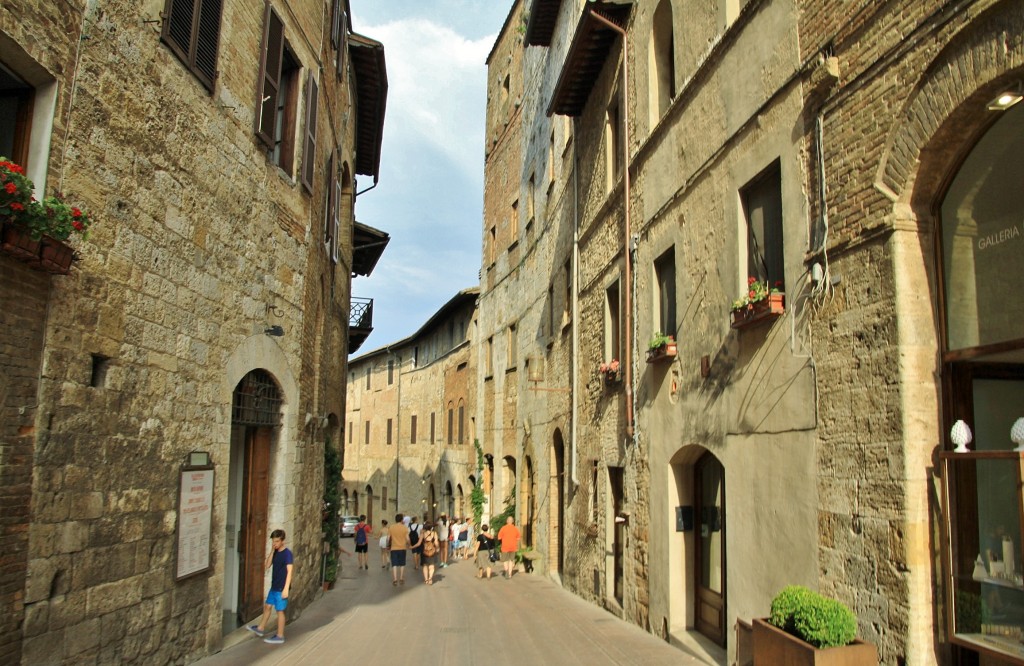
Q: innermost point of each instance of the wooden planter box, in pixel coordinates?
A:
(769, 309)
(48, 254)
(774, 647)
(666, 352)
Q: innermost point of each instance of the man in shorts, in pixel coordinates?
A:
(280, 558)
(398, 534)
(509, 537)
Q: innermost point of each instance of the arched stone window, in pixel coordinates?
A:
(661, 68)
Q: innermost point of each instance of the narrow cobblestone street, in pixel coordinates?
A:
(458, 620)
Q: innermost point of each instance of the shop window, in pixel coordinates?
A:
(983, 240)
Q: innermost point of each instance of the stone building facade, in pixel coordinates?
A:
(205, 315)
(410, 422)
(648, 159)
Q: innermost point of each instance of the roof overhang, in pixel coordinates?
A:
(367, 246)
(588, 52)
(371, 98)
(541, 25)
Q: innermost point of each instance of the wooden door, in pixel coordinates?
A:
(253, 543)
(710, 549)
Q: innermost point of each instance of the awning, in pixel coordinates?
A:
(587, 54)
(541, 25)
(367, 246)
(371, 98)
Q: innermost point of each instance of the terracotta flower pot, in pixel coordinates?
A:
(773, 646)
(762, 311)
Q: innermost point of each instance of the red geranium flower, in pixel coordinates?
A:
(11, 188)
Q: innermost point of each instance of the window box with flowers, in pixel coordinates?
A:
(761, 304)
(34, 231)
(661, 347)
(611, 374)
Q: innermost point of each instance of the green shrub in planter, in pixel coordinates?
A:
(817, 620)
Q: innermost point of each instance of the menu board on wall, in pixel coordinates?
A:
(195, 511)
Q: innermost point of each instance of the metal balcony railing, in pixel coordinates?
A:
(361, 314)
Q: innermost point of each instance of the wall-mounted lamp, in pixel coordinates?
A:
(274, 331)
(1006, 99)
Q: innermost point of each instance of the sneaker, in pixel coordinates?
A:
(274, 640)
(254, 628)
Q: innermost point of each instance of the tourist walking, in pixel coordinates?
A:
(414, 539)
(429, 545)
(382, 535)
(483, 552)
(442, 530)
(453, 539)
(509, 538)
(282, 561)
(362, 539)
(465, 537)
(398, 540)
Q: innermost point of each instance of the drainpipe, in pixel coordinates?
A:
(573, 475)
(627, 250)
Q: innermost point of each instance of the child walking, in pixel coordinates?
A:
(280, 583)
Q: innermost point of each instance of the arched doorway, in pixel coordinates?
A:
(255, 422)
(529, 495)
(556, 490)
(369, 504)
(981, 233)
(709, 548)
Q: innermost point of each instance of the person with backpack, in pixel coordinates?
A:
(362, 537)
(484, 552)
(414, 539)
(429, 544)
(465, 536)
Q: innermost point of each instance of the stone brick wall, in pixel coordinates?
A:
(199, 244)
(25, 294)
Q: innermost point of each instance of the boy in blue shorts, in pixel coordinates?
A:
(280, 582)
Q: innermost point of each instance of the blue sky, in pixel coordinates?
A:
(430, 196)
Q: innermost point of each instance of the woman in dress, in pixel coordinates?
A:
(482, 552)
(385, 554)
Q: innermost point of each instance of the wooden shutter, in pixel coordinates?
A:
(271, 56)
(335, 24)
(334, 221)
(192, 29)
(329, 208)
(339, 59)
(205, 56)
(309, 146)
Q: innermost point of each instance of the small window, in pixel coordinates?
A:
(490, 356)
(492, 241)
(367, 378)
(309, 136)
(339, 37)
(100, 365)
(389, 433)
(661, 59)
(451, 423)
(271, 59)
(462, 422)
(193, 41)
(391, 372)
(665, 280)
(612, 348)
(513, 223)
(567, 302)
(282, 153)
(432, 431)
(349, 432)
(367, 433)
(412, 429)
(513, 344)
(762, 209)
(384, 497)
(613, 145)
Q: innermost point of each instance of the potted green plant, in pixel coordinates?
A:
(35, 231)
(807, 628)
(761, 303)
(661, 347)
